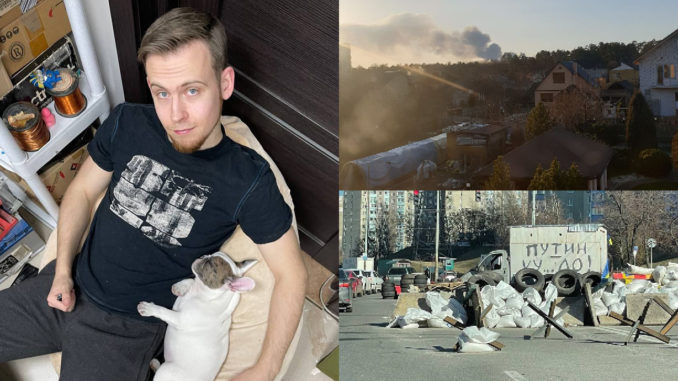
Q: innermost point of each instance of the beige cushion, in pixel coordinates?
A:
(250, 319)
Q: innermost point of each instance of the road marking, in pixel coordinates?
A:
(643, 337)
(515, 376)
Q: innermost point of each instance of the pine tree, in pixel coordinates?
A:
(572, 179)
(641, 132)
(555, 175)
(537, 179)
(501, 176)
(538, 121)
(674, 150)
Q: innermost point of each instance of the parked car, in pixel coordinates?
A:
(395, 273)
(376, 281)
(447, 276)
(366, 281)
(345, 292)
(357, 286)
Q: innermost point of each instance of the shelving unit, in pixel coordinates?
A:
(26, 164)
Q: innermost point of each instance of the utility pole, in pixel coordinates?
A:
(534, 208)
(435, 275)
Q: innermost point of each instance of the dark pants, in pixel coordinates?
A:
(96, 344)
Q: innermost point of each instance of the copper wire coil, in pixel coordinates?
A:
(71, 104)
(32, 139)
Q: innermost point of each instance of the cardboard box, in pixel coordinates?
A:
(59, 175)
(24, 36)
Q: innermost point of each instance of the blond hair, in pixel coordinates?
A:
(181, 26)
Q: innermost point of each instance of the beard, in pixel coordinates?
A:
(188, 147)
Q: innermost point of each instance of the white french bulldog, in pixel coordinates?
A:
(196, 341)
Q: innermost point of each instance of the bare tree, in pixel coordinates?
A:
(634, 216)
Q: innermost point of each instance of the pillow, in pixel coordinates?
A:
(250, 318)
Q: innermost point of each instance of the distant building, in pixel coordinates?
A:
(344, 60)
(616, 98)
(624, 72)
(470, 146)
(561, 77)
(350, 222)
(576, 205)
(658, 82)
(591, 158)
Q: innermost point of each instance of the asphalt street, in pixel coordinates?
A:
(371, 352)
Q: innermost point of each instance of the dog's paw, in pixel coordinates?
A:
(181, 288)
(145, 308)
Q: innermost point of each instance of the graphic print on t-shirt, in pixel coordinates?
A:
(157, 200)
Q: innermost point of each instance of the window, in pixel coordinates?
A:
(559, 77)
(546, 97)
(660, 75)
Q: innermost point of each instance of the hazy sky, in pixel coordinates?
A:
(412, 31)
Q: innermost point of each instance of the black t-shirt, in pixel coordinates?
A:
(163, 209)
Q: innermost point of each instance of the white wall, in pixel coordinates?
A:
(101, 28)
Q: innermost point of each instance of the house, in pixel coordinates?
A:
(657, 72)
(472, 145)
(591, 158)
(562, 76)
(623, 72)
(616, 97)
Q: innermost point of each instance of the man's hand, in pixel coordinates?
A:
(255, 373)
(62, 294)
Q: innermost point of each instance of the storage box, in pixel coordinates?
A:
(59, 175)
(24, 36)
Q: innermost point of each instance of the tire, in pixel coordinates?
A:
(592, 277)
(528, 277)
(566, 282)
(388, 294)
(349, 309)
(420, 277)
(481, 280)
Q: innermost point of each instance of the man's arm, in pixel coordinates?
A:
(283, 257)
(74, 215)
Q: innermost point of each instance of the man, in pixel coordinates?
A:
(175, 187)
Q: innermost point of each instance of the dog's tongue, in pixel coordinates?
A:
(242, 284)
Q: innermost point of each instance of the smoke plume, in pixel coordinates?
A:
(417, 36)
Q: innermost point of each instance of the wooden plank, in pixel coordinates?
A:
(455, 324)
(649, 331)
(548, 326)
(669, 324)
(589, 303)
(663, 305)
(550, 320)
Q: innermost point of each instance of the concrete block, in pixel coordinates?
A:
(576, 312)
(635, 303)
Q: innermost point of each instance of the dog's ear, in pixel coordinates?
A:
(245, 265)
(241, 284)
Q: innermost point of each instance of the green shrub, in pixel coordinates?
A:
(653, 162)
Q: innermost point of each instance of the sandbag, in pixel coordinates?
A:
(550, 293)
(599, 308)
(617, 307)
(610, 298)
(523, 322)
(515, 302)
(532, 295)
(506, 321)
(658, 274)
(639, 270)
(492, 318)
(473, 339)
(488, 296)
(415, 315)
(436, 322)
(637, 286)
(504, 291)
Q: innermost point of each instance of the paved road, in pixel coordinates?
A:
(370, 352)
